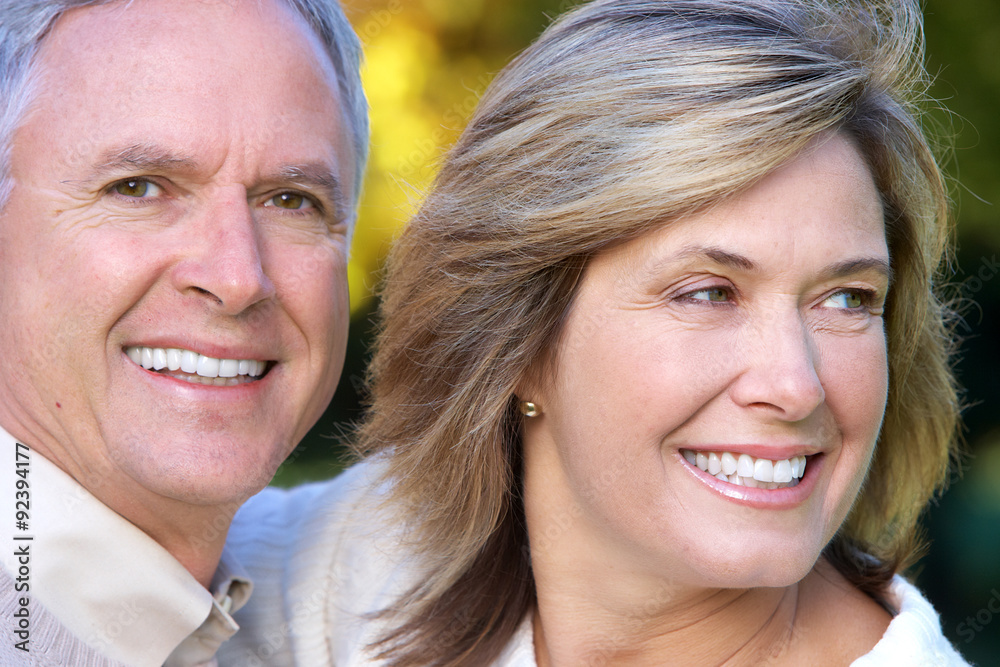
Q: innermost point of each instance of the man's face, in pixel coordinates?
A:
(181, 185)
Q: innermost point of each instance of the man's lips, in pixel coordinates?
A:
(197, 368)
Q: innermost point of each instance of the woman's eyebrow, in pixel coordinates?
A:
(716, 254)
(733, 260)
(851, 267)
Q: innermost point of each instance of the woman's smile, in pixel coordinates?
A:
(766, 487)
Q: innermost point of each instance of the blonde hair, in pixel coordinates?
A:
(624, 116)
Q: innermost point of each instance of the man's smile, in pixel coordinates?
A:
(197, 368)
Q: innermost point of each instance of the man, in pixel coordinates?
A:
(179, 181)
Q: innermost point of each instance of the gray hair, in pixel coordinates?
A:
(25, 23)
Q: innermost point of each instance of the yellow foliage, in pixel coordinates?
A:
(420, 100)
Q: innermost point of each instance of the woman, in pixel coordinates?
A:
(663, 378)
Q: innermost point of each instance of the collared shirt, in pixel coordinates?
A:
(104, 579)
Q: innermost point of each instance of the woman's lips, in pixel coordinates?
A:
(798, 474)
(745, 470)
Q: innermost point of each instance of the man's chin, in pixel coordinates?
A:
(210, 473)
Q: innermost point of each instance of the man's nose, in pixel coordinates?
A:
(780, 367)
(225, 261)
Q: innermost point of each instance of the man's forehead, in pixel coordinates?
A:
(195, 30)
(186, 83)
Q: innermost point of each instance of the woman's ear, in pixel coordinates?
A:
(530, 392)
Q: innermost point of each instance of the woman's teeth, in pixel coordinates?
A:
(745, 470)
(197, 368)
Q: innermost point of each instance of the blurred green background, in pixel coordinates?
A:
(429, 60)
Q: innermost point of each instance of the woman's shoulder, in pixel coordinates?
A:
(841, 625)
(322, 559)
(914, 636)
(287, 509)
(307, 526)
(835, 623)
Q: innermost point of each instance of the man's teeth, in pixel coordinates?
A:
(745, 470)
(196, 366)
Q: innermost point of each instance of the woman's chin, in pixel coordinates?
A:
(766, 566)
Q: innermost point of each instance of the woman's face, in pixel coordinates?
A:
(748, 336)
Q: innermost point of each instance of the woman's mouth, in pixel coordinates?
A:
(745, 470)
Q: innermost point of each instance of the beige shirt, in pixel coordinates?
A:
(103, 578)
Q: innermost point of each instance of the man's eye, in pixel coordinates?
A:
(137, 188)
(291, 201)
(717, 294)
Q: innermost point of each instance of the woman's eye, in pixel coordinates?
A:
(714, 294)
(847, 299)
(291, 201)
(137, 188)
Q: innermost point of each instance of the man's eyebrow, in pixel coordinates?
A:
(315, 176)
(143, 158)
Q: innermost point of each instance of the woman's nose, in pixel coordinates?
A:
(780, 367)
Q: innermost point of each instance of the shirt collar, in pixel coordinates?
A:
(104, 579)
(231, 588)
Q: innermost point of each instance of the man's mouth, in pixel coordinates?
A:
(197, 368)
(745, 470)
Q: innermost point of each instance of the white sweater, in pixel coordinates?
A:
(321, 565)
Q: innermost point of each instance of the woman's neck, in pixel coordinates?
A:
(665, 626)
(822, 620)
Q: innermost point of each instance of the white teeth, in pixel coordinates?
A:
(229, 368)
(714, 464)
(798, 466)
(147, 358)
(745, 470)
(218, 372)
(189, 361)
(744, 466)
(763, 470)
(728, 463)
(208, 367)
(783, 471)
(174, 359)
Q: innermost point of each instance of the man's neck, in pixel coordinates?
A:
(193, 534)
